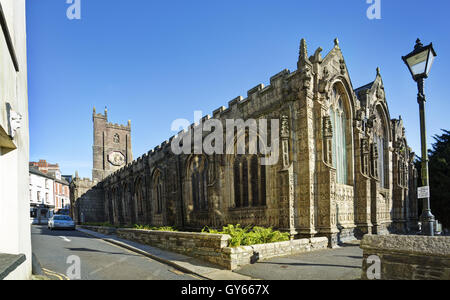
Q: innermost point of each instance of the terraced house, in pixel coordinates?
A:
(344, 167)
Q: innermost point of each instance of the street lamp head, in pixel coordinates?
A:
(420, 60)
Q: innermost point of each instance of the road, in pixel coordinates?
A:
(58, 253)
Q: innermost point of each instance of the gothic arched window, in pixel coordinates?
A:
(138, 194)
(199, 182)
(380, 139)
(254, 180)
(237, 182)
(249, 181)
(339, 120)
(158, 192)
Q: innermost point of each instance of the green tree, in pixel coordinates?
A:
(439, 172)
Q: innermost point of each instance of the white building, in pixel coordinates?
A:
(61, 191)
(15, 235)
(42, 198)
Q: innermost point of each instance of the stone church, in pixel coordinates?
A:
(345, 168)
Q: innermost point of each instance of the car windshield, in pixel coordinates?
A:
(62, 218)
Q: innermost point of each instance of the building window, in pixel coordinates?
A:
(138, 194)
(339, 123)
(249, 181)
(199, 182)
(244, 182)
(158, 192)
(254, 180)
(237, 182)
(380, 139)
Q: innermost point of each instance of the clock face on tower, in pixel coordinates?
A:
(116, 159)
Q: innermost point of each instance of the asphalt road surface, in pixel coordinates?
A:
(65, 255)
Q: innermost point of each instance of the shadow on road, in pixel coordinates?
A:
(354, 257)
(98, 251)
(308, 265)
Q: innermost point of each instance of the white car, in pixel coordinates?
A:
(61, 222)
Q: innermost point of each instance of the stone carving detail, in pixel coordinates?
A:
(211, 170)
(284, 126)
(285, 140)
(317, 58)
(116, 138)
(306, 78)
(380, 92)
(342, 66)
(374, 160)
(328, 140)
(324, 83)
(292, 230)
(344, 203)
(365, 155)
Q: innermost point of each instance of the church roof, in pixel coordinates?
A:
(364, 88)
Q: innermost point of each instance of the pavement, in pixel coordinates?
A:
(342, 263)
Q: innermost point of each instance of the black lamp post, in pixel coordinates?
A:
(419, 63)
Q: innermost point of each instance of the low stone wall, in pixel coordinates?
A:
(205, 246)
(408, 257)
(100, 229)
(214, 248)
(241, 256)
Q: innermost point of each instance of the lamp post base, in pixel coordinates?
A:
(427, 220)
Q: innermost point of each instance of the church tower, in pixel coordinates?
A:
(112, 146)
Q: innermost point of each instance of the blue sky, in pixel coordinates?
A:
(157, 61)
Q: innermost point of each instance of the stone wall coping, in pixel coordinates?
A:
(419, 245)
(197, 235)
(251, 248)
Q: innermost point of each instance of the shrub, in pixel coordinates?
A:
(250, 236)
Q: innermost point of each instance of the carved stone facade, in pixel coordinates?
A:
(344, 169)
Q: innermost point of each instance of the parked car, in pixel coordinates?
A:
(65, 212)
(61, 222)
